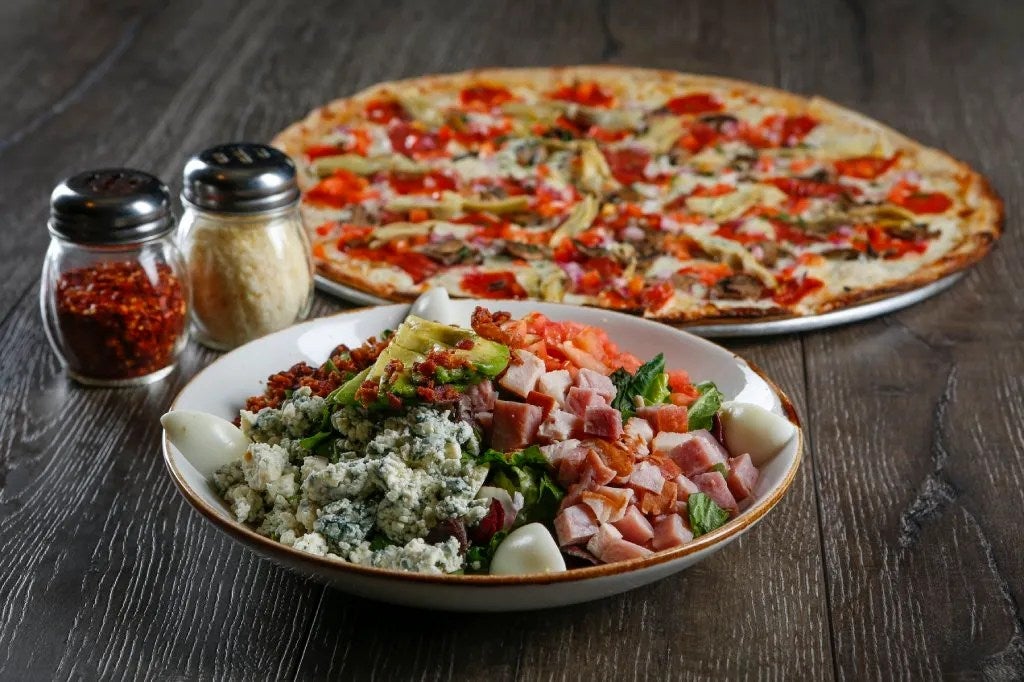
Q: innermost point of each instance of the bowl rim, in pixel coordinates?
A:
(242, 533)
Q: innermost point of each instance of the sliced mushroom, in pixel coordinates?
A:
(841, 254)
(528, 251)
(738, 286)
(451, 252)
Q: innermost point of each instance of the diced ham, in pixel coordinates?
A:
(608, 504)
(668, 468)
(669, 531)
(577, 400)
(555, 384)
(685, 487)
(542, 400)
(485, 420)
(522, 373)
(602, 421)
(560, 425)
(698, 453)
(575, 524)
(514, 425)
(639, 428)
(647, 476)
(665, 417)
(714, 486)
(581, 554)
(608, 545)
(667, 441)
(597, 382)
(634, 526)
(480, 397)
(557, 451)
(660, 503)
(742, 477)
(602, 473)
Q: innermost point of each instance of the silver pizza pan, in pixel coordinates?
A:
(720, 331)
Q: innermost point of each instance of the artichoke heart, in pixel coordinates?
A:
(448, 206)
(579, 220)
(515, 204)
(540, 112)
(422, 109)
(734, 204)
(594, 174)
(365, 165)
(661, 135)
(736, 256)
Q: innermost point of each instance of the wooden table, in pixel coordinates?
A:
(897, 552)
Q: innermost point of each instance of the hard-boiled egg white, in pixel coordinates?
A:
(754, 430)
(529, 549)
(207, 441)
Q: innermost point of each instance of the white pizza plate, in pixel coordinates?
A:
(789, 325)
(222, 387)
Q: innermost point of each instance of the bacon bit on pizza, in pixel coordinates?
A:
(587, 93)
(628, 163)
(866, 167)
(493, 285)
(909, 196)
(432, 183)
(339, 190)
(698, 103)
(485, 97)
(384, 111)
(791, 291)
(415, 141)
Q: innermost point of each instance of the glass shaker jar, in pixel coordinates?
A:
(113, 295)
(247, 254)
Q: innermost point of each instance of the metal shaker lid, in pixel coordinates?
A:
(241, 177)
(110, 206)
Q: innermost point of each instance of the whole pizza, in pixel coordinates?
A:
(681, 197)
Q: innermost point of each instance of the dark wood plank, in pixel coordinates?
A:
(916, 416)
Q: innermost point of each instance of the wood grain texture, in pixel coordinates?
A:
(896, 552)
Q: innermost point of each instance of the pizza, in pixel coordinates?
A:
(680, 197)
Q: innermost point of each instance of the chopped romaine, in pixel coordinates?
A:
(705, 515)
(703, 410)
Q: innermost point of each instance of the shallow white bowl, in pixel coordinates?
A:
(222, 388)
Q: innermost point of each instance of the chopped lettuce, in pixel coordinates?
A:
(705, 407)
(650, 382)
(525, 472)
(478, 557)
(705, 515)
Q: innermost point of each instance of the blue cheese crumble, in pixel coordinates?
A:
(370, 495)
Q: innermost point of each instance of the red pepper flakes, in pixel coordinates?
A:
(120, 320)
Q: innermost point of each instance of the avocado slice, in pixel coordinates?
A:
(412, 341)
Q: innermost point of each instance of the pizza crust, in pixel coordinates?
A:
(979, 228)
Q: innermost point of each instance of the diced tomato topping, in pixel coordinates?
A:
(605, 135)
(792, 291)
(889, 246)
(907, 195)
(484, 97)
(418, 266)
(414, 141)
(803, 188)
(475, 135)
(339, 190)
(721, 189)
(698, 136)
(657, 295)
(627, 163)
(700, 103)
(432, 183)
(352, 233)
(780, 131)
(707, 273)
(865, 167)
(317, 151)
(584, 92)
(385, 111)
(493, 285)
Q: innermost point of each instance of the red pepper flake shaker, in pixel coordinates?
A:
(113, 296)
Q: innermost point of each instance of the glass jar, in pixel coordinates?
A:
(113, 294)
(246, 252)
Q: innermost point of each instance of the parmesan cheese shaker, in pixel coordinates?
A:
(247, 254)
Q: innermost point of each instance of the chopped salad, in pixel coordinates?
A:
(430, 448)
